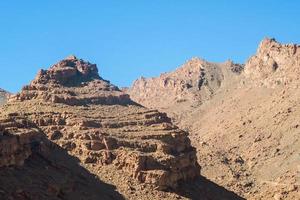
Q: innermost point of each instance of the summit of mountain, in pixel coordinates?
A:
(192, 84)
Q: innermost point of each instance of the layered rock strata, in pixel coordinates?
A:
(16, 141)
(32, 167)
(72, 81)
(96, 122)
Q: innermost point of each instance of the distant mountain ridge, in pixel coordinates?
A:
(193, 83)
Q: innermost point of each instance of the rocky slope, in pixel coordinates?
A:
(247, 133)
(193, 83)
(32, 167)
(136, 149)
(3, 96)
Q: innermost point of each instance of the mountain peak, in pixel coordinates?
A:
(71, 57)
(72, 81)
(68, 72)
(274, 63)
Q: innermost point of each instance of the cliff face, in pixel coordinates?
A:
(246, 133)
(16, 141)
(275, 64)
(119, 141)
(32, 167)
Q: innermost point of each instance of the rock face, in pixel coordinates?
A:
(34, 168)
(275, 64)
(4, 95)
(193, 83)
(106, 130)
(17, 141)
(247, 132)
(72, 81)
(68, 72)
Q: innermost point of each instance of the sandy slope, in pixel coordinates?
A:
(247, 132)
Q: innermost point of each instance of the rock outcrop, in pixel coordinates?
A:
(17, 139)
(101, 126)
(72, 81)
(32, 167)
(275, 64)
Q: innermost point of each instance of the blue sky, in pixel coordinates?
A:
(133, 38)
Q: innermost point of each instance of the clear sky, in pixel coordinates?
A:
(132, 38)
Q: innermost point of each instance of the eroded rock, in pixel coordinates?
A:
(274, 64)
(106, 127)
(72, 81)
(17, 141)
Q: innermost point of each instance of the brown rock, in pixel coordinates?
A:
(17, 146)
(75, 82)
(274, 64)
(109, 129)
(249, 119)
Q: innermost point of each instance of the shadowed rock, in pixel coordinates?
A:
(110, 131)
(32, 167)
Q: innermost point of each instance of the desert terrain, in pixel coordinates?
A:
(204, 131)
(242, 118)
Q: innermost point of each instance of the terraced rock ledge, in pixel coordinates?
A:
(100, 125)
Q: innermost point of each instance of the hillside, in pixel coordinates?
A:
(87, 131)
(244, 125)
(192, 84)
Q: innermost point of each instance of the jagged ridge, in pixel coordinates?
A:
(274, 64)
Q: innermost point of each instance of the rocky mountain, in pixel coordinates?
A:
(193, 83)
(70, 134)
(3, 96)
(247, 131)
(69, 125)
(275, 64)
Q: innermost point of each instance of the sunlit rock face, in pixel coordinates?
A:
(100, 125)
(275, 64)
(72, 81)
